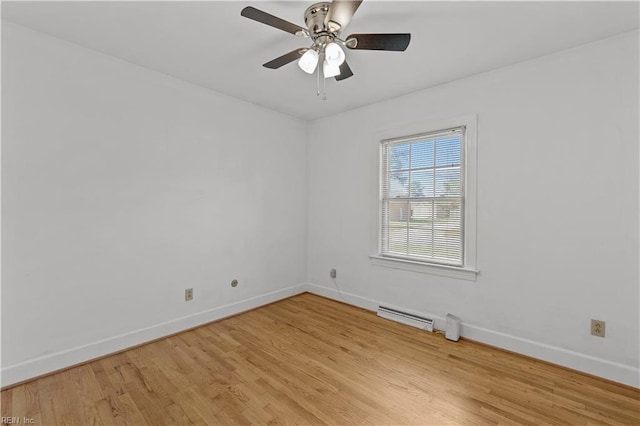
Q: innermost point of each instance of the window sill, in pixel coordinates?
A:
(461, 273)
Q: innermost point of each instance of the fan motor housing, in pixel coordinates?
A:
(314, 18)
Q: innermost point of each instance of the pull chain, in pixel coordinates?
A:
(324, 93)
(318, 80)
(321, 77)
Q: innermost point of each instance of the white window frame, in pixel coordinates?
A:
(468, 271)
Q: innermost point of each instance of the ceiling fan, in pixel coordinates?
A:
(325, 22)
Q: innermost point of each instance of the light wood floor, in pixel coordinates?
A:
(309, 360)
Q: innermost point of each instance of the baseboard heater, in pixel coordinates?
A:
(405, 318)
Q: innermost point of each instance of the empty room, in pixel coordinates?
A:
(343, 212)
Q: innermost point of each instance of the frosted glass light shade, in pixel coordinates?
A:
(334, 54)
(330, 70)
(309, 61)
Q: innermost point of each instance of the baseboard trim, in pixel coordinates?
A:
(37, 367)
(619, 373)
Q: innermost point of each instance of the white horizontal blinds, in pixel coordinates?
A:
(423, 197)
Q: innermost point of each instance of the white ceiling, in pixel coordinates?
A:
(209, 44)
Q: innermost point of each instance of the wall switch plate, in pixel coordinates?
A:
(188, 294)
(597, 328)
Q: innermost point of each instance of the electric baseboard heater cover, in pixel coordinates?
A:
(405, 318)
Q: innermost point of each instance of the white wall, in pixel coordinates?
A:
(121, 187)
(557, 207)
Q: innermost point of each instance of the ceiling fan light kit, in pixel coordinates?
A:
(325, 21)
(309, 61)
(334, 54)
(330, 70)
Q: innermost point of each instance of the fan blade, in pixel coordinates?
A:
(274, 21)
(395, 42)
(345, 72)
(284, 59)
(340, 13)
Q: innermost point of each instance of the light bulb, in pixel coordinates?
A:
(309, 61)
(334, 54)
(330, 70)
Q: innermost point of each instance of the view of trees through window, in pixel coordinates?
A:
(422, 199)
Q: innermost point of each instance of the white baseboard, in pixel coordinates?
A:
(625, 374)
(36, 367)
(620, 373)
(60, 360)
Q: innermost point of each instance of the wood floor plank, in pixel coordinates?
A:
(310, 360)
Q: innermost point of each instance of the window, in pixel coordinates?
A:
(422, 203)
(424, 206)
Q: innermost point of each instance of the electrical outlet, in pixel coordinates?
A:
(234, 283)
(188, 294)
(597, 328)
(333, 273)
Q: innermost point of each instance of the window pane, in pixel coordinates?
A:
(398, 211)
(447, 233)
(421, 241)
(398, 184)
(421, 229)
(422, 154)
(448, 151)
(421, 213)
(399, 157)
(447, 212)
(422, 183)
(397, 227)
(448, 182)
